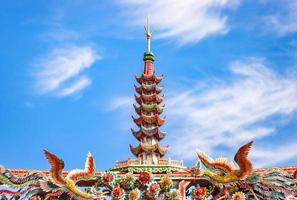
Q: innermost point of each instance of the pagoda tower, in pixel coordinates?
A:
(149, 151)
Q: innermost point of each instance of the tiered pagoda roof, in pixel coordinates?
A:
(148, 148)
(149, 109)
(154, 108)
(144, 77)
(153, 131)
(144, 98)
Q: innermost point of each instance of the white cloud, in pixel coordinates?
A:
(285, 22)
(273, 155)
(60, 34)
(187, 21)
(120, 102)
(28, 104)
(79, 85)
(230, 113)
(60, 66)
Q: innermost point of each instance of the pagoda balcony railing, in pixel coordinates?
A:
(127, 163)
(161, 162)
(171, 162)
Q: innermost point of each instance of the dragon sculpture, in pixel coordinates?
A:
(223, 171)
(7, 178)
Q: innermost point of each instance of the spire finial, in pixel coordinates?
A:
(148, 34)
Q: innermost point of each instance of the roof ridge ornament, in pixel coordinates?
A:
(148, 34)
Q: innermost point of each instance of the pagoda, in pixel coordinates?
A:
(149, 108)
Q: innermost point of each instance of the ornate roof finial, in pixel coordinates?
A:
(148, 35)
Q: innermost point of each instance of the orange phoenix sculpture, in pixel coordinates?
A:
(74, 176)
(223, 171)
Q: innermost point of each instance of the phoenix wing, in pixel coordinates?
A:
(57, 166)
(219, 166)
(241, 158)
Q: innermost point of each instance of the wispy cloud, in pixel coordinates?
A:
(186, 21)
(28, 104)
(77, 86)
(230, 113)
(63, 66)
(119, 102)
(60, 34)
(285, 21)
(273, 155)
(218, 116)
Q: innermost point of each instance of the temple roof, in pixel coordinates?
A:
(142, 147)
(155, 119)
(146, 88)
(144, 77)
(152, 131)
(157, 109)
(151, 97)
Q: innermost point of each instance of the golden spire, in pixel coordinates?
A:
(148, 35)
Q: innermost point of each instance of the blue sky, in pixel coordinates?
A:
(67, 72)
